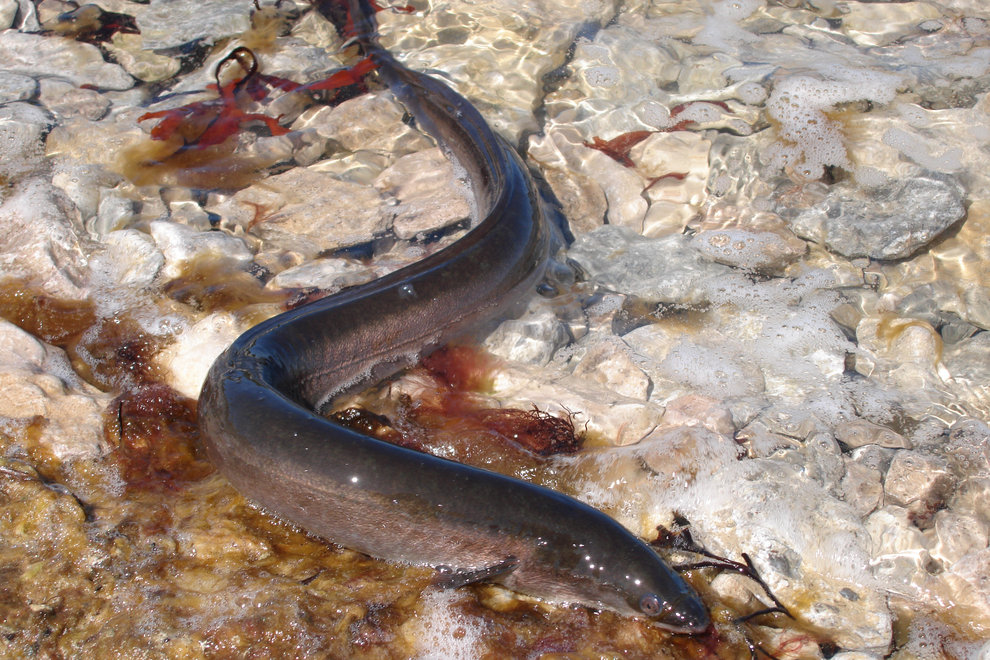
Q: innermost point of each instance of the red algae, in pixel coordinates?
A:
(155, 437)
(193, 144)
(50, 319)
(618, 148)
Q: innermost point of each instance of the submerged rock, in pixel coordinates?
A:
(892, 221)
(663, 270)
(61, 58)
(41, 389)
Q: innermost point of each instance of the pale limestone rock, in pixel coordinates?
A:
(972, 497)
(611, 418)
(15, 86)
(673, 201)
(142, 63)
(38, 384)
(698, 410)
(531, 339)
(608, 363)
(8, 11)
(166, 23)
(663, 269)
(957, 535)
(349, 126)
(429, 197)
(750, 249)
(39, 243)
(859, 432)
(328, 275)
(861, 487)
(307, 211)
(123, 269)
(22, 130)
(899, 551)
(186, 361)
(183, 247)
(59, 57)
(968, 448)
(920, 482)
(66, 100)
(880, 25)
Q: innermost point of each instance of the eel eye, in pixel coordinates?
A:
(650, 605)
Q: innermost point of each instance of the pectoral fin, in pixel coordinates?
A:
(450, 578)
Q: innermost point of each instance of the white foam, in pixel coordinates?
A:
(810, 141)
(444, 633)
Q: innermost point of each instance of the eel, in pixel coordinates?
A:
(257, 408)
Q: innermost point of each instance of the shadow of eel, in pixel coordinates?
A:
(257, 405)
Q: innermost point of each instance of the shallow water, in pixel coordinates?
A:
(772, 322)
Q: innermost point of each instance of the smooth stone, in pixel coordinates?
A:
(698, 410)
(8, 12)
(609, 418)
(328, 275)
(957, 535)
(140, 61)
(61, 58)
(967, 449)
(659, 270)
(186, 361)
(39, 243)
(608, 362)
(892, 221)
(38, 383)
(429, 196)
(919, 482)
(127, 261)
(184, 247)
(16, 87)
(673, 201)
(67, 100)
(168, 24)
(969, 363)
(22, 131)
(307, 211)
(750, 250)
(859, 432)
(350, 126)
(861, 487)
(885, 23)
(530, 339)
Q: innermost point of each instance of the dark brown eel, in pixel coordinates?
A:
(257, 405)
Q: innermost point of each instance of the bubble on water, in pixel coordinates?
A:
(443, 632)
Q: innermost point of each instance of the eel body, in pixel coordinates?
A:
(259, 427)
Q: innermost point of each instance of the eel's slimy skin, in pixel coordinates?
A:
(259, 428)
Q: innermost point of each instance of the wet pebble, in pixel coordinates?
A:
(859, 432)
(8, 11)
(165, 24)
(889, 222)
(60, 58)
(182, 247)
(609, 362)
(663, 269)
(16, 87)
(429, 198)
(130, 52)
(39, 243)
(306, 211)
(919, 482)
(861, 487)
(532, 338)
(38, 383)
